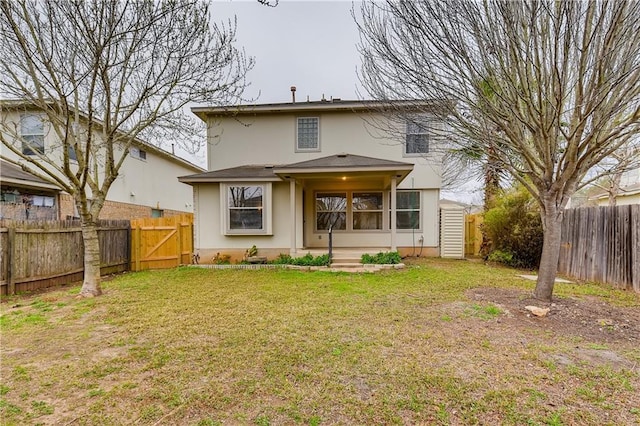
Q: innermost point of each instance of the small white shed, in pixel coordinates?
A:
(452, 231)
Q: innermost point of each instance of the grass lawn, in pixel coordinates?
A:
(441, 342)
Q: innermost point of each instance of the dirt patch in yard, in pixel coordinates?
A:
(587, 320)
(590, 319)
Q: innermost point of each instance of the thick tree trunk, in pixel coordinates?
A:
(552, 225)
(491, 191)
(91, 283)
(614, 189)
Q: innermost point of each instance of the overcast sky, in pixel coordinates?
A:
(307, 44)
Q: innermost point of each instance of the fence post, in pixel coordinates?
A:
(136, 246)
(11, 285)
(129, 254)
(179, 235)
(192, 239)
(330, 243)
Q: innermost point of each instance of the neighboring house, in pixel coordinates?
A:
(282, 175)
(146, 185)
(629, 192)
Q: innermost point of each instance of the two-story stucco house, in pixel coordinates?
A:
(146, 185)
(282, 175)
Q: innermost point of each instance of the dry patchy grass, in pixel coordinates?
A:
(441, 342)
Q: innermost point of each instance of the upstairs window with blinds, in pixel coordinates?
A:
(32, 132)
(417, 137)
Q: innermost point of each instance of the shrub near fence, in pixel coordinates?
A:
(40, 254)
(602, 244)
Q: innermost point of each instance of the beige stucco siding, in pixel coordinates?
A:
(209, 220)
(211, 238)
(270, 139)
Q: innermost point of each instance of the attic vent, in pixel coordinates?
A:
(343, 155)
(269, 166)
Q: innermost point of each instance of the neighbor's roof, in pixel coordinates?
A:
(332, 105)
(339, 163)
(14, 175)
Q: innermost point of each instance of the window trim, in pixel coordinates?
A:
(425, 124)
(297, 146)
(267, 228)
(28, 147)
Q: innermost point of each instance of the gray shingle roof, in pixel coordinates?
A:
(346, 161)
(11, 171)
(250, 172)
(342, 162)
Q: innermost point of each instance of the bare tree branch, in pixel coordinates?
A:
(103, 75)
(552, 88)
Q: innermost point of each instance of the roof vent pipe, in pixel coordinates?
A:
(293, 94)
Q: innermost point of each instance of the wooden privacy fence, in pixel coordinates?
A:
(472, 234)
(602, 244)
(40, 254)
(161, 242)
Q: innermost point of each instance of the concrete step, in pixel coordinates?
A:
(345, 259)
(345, 265)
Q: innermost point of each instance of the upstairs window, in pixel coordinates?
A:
(417, 138)
(307, 134)
(72, 153)
(32, 132)
(138, 153)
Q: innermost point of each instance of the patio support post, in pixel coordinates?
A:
(392, 225)
(292, 207)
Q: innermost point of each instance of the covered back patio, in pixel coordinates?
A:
(348, 197)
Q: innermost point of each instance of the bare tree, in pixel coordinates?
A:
(102, 74)
(552, 87)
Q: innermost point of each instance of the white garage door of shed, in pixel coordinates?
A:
(452, 232)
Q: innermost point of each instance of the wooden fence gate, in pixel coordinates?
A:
(159, 243)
